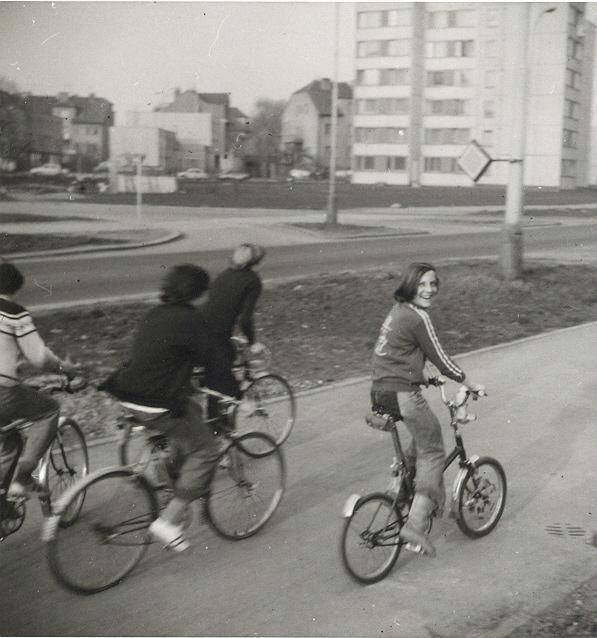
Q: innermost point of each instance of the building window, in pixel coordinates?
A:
(450, 19)
(570, 138)
(450, 49)
(575, 49)
(383, 48)
(461, 77)
(380, 163)
(446, 107)
(390, 18)
(382, 77)
(568, 168)
(571, 109)
(574, 16)
(447, 135)
(490, 79)
(441, 165)
(383, 105)
(381, 135)
(393, 77)
(488, 108)
(327, 127)
(492, 18)
(487, 137)
(492, 49)
(573, 79)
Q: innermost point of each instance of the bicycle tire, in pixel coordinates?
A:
(245, 494)
(481, 495)
(110, 537)
(369, 543)
(67, 462)
(267, 405)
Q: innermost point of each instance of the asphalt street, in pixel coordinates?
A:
(538, 420)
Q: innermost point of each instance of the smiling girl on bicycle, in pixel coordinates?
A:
(407, 340)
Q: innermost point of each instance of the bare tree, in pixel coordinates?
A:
(262, 150)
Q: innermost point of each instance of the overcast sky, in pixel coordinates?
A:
(135, 53)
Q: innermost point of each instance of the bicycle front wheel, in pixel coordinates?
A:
(110, 536)
(67, 462)
(369, 545)
(247, 488)
(267, 405)
(481, 497)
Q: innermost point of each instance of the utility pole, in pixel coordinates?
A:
(332, 213)
(139, 161)
(512, 241)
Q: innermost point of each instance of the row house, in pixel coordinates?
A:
(307, 122)
(86, 124)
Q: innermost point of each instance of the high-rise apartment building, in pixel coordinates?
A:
(432, 77)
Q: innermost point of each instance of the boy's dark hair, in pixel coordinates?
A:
(184, 283)
(407, 288)
(11, 278)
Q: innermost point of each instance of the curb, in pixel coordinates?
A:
(170, 236)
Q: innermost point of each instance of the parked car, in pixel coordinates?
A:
(193, 173)
(234, 177)
(298, 173)
(48, 169)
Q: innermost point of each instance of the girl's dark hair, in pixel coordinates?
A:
(184, 283)
(11, 278)
(407, 288)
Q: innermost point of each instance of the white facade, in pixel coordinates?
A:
(193, 133)
(156, 145)
(431, 77)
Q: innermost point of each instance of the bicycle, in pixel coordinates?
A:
(65, 460)
(111, 536)
(370, 542)
(267, 405)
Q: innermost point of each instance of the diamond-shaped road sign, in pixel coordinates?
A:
(474, 160)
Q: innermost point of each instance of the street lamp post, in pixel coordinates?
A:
(512, 249)
(511, 255)
(332, 212)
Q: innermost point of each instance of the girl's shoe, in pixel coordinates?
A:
(170, 535)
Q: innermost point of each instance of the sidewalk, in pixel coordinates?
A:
(484, 588)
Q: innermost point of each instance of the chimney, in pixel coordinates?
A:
(325, 84)
(176, 93)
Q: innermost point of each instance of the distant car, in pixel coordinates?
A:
(343, 174)
(193, 173)
(299, 173)
(235, 177)
(48, 169)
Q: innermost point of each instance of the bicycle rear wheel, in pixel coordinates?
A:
(67, 462)
(267, 405)
(246, 490)
(369, 544)
(481, 497)
(110, 536)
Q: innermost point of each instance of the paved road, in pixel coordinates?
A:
(538, 421)
(64, 279)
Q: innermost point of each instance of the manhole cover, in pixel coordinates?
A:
(565, 529)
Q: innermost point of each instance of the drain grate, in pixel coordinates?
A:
(565, 529)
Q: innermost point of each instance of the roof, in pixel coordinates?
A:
(320, 92)
(236, 114)
(90, 110)
(215, 98)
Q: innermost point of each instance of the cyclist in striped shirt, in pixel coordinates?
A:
(20, 341)
(407, 340)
